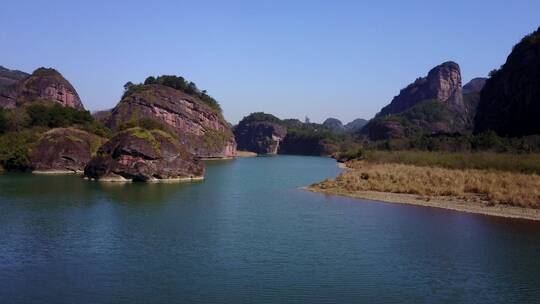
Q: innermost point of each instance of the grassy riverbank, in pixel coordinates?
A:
(488, 183)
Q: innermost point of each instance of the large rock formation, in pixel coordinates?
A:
(443, 83)
(510, 101)
(43, 85)
(9, 77)
(200, 128)
(144, 155)
(334, 124)
(431, 105)
(261, 137)
(475, 85)
(64, 150)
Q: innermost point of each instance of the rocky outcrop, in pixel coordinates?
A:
(201, 129)
(355, 125)
(334, 124)
(475, 85)
(510, 100)
(144, 155)
(431, 105)
(261, 137)
(43, 85)
(9, 77)
(64, 150)
(443, 83)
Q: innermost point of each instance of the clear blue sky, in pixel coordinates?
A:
(344, 59)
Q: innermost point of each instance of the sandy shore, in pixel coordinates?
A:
(245, 154)
(439, 202)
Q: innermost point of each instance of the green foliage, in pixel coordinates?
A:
(147, 124)
(56, 116)
(3, 121)
(260, 116)
(511, 162)
(15, 148)
(487, 141)
(175, 82)
(350, 154)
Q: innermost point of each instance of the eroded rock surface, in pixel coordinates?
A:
(64, 150)
(201, 129)
(43, 85)
(260, 137)
(443, 83)
(142, 155)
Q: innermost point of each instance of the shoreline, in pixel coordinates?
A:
(448, 203)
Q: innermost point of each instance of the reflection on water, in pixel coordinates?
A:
(248, 234)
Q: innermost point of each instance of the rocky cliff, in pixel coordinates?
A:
(9, 77)
(43, 85)
(261, 137)
(431, 105)
(266, 134)
(64, 150)
(510, 100)
(200, 128)
(443, 83)
(144, 155)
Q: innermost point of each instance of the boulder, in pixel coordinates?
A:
(144, 155)
(64, 150)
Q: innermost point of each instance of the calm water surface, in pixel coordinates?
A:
(248, 235)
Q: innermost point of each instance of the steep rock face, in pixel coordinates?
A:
(142, 155)
(43, 84)
(510, 101)
(431, 105)
(201, 129)
(442, 83)
(9, 77)
(64, 149)
(334, 124)
(261, 137)
(475, 85)
(355, 125)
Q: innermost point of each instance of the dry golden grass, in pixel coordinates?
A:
(495, 187)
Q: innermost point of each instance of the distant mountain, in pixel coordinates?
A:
(443, 83)
(510, 101)
(45, 84)
(475, 85)
(430, 105)
(334, 124)
(355, 125)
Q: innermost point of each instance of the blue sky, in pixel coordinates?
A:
(343, 59)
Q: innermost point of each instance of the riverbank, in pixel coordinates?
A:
(494, 193)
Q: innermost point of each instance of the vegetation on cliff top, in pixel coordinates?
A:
(21, 128)
(175, 82)
(510, 100)
(306, 138)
